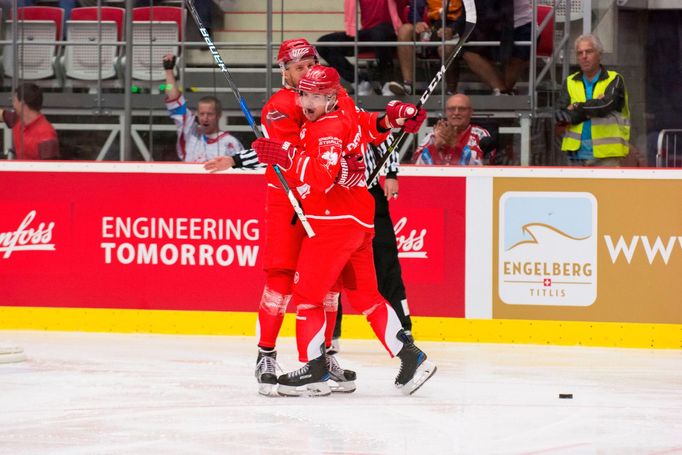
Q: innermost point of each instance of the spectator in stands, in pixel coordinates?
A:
(380, 21)
(199, 136)
(425, 24)
(593, 115)
(504, 21)
(33, 136)
(454, 141)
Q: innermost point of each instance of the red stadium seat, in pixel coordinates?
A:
(109, 13)
(42, 13)
(546, 39)
(160, 13)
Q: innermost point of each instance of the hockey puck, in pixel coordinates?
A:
(566, 396)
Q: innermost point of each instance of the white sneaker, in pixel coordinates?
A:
(386, 90)
(400, 89)
(365, 88)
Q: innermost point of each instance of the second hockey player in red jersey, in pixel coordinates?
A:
(342, 218)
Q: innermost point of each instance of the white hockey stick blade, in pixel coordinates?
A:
(11, 354)
(424, 372)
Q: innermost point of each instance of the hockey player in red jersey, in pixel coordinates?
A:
(281, 119)
(342, 218)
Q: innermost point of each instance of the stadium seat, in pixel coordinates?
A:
(545, 45)
(33, 61)
(156, 32)
(41, 13)
(161, 13)
(109, 13)
(81, 62)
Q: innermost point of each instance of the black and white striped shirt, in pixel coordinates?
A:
(247, 158)
(374, 154)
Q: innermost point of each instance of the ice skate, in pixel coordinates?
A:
(311, 380)
(266, 371)
(341, 380)
(415, 370)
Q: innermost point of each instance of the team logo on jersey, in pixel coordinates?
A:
(331, 156)
(330, 150)
(273, 116)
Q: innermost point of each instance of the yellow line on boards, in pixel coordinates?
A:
(611, 334)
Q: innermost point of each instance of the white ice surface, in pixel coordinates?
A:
(85, 393)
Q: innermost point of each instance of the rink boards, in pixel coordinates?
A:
(529, 255)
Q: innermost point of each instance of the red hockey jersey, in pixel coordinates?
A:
(323, 143)
(282, 119)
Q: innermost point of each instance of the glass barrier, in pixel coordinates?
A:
(104, 88)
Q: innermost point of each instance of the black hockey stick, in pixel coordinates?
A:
(242, 104)
(470, 24)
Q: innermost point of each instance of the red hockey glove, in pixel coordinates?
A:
(272, 151)
(405, 115)
(413, 124)
(352, 171)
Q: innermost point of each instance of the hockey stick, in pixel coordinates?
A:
(242, 104)
(470, 24)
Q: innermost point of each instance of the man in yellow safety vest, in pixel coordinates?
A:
(593, 115)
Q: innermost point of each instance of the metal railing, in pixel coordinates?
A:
(522, 111)
(669, 148)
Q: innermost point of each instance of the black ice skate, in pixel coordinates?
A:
(415, 370)
(311, 380)
(266, 371)
(342, 380)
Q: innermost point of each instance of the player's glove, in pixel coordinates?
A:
(413, 124)
(404, 114)
(169, 63)
(352, 171)
(272, 151)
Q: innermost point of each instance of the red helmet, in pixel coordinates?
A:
(295, 50)
(320, 79)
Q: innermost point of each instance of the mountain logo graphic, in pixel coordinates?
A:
(547, 248)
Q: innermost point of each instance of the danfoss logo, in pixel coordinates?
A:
(410, 244)
(27, 237)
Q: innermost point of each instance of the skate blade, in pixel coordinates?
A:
(267, 389)
(343, 387)
(423, 374)
(314, 389)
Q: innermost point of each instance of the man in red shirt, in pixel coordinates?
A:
(343, 220)
(33, 136)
